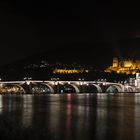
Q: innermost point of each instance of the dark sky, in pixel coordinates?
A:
(30, 27)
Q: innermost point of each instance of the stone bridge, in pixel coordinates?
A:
(39, 86)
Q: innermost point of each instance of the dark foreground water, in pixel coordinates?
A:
(70, 117)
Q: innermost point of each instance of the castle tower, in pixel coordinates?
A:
(115, 62)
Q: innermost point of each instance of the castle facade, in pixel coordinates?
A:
(127, 66)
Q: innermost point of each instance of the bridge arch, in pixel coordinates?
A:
(66, 86)
(115, 88)
(36, 87)
(75, 87)
(130, 89)
(15, 85)
(93, 88)
(99, 89)
(50, 87)
(21, 88)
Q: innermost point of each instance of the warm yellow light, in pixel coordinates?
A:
(124, 67)
(68, 71)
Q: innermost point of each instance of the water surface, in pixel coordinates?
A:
(70, 116)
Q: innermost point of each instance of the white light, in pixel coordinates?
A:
(28, 82)
(56, 83)
(104, 83)
(24, 78)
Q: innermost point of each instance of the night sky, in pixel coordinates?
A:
(95, 31)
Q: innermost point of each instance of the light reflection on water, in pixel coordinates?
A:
(77, 116)
(27, 110)
(1, 105)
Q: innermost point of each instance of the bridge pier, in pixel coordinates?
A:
(56, 88)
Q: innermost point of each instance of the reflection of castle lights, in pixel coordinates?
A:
(1, 104)
(12, 89)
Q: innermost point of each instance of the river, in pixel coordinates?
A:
(70, 116)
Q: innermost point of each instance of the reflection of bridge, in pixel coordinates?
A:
(34, 86)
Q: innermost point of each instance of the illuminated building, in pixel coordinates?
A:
(68, 71)
(124, 67)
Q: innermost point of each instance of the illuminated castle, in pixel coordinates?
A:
(124, 67)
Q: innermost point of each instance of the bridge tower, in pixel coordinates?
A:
(137, 81)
